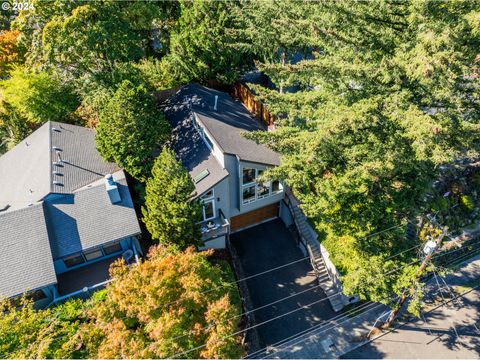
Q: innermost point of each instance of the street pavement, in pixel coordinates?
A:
(450, 330)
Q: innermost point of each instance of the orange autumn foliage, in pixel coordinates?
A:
(171, 303)
(9, 51)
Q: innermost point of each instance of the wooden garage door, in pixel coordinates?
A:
(253, 217)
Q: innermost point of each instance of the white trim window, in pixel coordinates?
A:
(208, 205)
(252, 190)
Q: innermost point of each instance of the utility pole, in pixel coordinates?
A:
(421, 269)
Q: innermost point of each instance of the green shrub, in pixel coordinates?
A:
(467, 203)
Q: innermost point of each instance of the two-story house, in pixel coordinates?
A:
(225, 166)
(65, 215)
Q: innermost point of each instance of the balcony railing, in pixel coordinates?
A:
(216, 227)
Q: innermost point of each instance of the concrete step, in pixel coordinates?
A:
(323, 279)
(322, 271)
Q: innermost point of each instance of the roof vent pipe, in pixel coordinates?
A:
(216, 101)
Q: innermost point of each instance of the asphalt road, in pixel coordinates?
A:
(451, 331)
(267, 246)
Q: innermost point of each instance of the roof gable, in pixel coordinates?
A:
(226, 124)
(87, 218)
(56, 158)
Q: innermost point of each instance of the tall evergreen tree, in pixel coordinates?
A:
(170, 213)
(202, 44)
(384, 96)
(130, 129)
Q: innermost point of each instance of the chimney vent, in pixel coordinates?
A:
(112, 189)
(216, 101)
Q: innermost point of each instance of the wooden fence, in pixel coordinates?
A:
(241, 92)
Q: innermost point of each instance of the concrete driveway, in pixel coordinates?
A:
(267, 246)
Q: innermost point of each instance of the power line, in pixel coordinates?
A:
(237, 281)
(245, 313)
(316, 327)
(323, 324)
(282, 299)
(275, 318)
(319, 328)
(254, 326)
(290, 312)
(340, 316)
(404, 251)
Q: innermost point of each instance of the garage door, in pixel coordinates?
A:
(252, 217)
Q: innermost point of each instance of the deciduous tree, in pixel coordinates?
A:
(39, 96)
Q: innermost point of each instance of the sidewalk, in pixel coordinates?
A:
(344, 335)
(330, 340)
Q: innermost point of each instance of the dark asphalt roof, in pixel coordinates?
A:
(225, 125)
(87, 218)
(188, 145)
(25, 259)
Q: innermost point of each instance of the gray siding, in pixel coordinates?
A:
(243, 208)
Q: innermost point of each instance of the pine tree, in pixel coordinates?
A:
(170, 213)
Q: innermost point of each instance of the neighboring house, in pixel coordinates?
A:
(224, 165)
(65, 215)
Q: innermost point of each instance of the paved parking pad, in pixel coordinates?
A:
(267, 246)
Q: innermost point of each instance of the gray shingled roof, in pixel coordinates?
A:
(56, 209)
(29, 172)
(189, 147)
(82, 162)
(87, 218)
(25, 259)
(227, 123)
(25, 171)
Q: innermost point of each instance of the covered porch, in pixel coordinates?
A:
(85, 277)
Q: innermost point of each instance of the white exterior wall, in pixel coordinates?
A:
(222, 198)
(217, 243)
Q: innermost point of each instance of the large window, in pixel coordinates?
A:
(248, 194)
(248, 175)
(208, 202)
(253, 190)
(92, 254)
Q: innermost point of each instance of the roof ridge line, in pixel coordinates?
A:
(50, 176)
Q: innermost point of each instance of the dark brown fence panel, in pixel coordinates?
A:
(244, 94)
